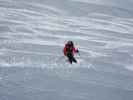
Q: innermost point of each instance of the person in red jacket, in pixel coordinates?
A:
(69, 51)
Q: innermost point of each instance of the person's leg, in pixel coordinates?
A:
(70, 60)
(74, 60)
(70, 57)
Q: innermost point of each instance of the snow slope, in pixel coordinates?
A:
(32, 36)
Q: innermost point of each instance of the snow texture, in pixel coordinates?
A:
(32, 37)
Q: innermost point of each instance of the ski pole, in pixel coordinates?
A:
(79, 54)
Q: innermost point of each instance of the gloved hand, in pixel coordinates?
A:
(77, 51)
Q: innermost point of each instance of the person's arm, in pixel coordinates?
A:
(65, 51)
(75, 50)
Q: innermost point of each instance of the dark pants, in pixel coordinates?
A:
(71, 58)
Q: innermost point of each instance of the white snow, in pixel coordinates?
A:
(32, 37)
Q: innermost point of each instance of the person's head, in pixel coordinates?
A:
(70, 43)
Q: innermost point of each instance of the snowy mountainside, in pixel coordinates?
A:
(32, 37)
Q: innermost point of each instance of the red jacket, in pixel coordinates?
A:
(74, 50)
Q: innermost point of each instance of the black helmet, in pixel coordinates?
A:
(70, 43)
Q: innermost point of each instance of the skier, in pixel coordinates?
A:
(69, 51)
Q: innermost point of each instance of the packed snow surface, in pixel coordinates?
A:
(32, 37)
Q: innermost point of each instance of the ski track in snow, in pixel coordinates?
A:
(33, 33)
